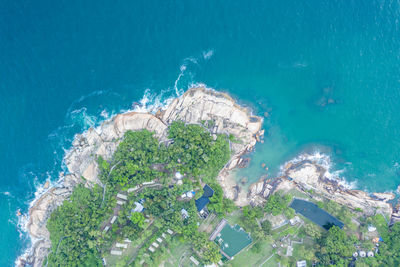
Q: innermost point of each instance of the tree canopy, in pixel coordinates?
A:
(277, 204)
(73, 228)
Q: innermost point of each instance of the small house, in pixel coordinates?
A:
(185, 214)
(202, 202)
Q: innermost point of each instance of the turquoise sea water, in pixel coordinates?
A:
(326, 71)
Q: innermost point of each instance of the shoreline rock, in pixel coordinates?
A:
(194, 106)
(309, 177)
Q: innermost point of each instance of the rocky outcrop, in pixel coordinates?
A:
(307, 175)
(195, 106)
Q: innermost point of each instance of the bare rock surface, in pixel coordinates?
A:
(194, 106)
(307, 175)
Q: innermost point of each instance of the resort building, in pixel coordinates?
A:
(230, 239)
(201, 203)
(138, 207)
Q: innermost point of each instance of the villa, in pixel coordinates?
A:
(201, 203)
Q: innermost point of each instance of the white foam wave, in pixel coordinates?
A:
(6, 193)
(104, 114)
(179, 91)
(81, 116)
(149, 103)
(23, 218)
(208, 54)
(324, 161)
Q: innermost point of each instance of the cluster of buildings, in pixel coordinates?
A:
(154, 246)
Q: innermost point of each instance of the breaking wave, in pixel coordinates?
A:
(79, 119)
(324, 161)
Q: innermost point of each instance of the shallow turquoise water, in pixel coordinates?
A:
(64, 64)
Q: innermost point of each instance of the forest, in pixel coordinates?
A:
(76, 226)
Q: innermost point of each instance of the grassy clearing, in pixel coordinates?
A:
(234, 218)
(254, 255)
(178, 254)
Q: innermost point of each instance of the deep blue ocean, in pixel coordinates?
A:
(326, 71)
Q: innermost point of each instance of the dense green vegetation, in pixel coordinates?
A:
(134, 160)
(389, 250)
(278, 203)
(218, 203)
(74, 231)
(195, 152)
(76, 226)
(336, 248)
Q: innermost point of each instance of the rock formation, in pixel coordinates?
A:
(307, 175)
(195, 106)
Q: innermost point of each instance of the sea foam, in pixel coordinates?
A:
(325, 161)
(149, 103)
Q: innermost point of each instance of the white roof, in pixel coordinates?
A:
(371, 228)
(138, 208)
(194, 260)
(178, 175)
(302, 263)
(184, 213)
(121, 196)
(121, 245)
(116, 252)
(119, 202)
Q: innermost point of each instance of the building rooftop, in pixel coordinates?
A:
(138, 207)
(205, 198)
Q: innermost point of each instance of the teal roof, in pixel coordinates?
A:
(232, 239)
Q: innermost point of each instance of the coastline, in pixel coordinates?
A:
(195, 105)
(311, 176)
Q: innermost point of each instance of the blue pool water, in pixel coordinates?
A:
(326, 71)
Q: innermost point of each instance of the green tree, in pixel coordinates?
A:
(266, 227)
(138, 219)
(277, 203)
(74, 229)
(336, 247)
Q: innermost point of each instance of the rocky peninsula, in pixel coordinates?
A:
(311, 178)
(193, 107)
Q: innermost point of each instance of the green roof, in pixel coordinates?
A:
(232, 240)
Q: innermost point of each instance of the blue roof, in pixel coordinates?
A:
(208, 191)
(205, 198)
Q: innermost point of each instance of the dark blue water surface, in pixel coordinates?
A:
(326, 71)
(315, 214)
